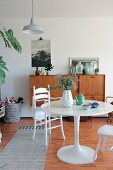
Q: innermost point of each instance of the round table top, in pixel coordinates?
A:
(77, 110)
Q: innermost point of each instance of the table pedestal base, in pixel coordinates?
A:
(0, 137)
(80, 155)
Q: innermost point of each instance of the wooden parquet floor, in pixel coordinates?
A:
(88, 137)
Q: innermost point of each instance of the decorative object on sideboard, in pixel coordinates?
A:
(32, 28)
(48, 68)
(79, 68)
(97, 71)
(40, 53)
(86, 68)
(39, 71)
(82, 65)
(70, 70)
(92, 67)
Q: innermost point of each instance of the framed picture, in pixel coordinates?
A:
(40, 53)
(85, 63)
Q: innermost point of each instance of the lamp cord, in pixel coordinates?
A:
(32, 8)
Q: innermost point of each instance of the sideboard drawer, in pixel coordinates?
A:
(98, 98)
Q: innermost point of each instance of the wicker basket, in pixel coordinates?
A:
(12, 112)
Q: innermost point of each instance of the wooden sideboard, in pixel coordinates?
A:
(92, 86)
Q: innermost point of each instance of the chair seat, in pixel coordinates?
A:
(39, 115)
(106, 130)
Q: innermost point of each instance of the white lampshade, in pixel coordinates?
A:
(32, 28)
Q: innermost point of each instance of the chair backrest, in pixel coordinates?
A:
(41, 95)
(109, 99)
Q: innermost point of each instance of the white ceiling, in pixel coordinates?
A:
(56, 8)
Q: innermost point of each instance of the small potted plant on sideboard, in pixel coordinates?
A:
(48, 68)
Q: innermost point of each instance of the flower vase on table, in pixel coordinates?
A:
(66, 82)
(67, 99)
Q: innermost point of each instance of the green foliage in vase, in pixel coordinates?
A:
(10, 41)
(67, 82)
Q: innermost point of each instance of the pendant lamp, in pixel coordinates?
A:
(32, 28)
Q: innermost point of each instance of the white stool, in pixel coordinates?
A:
(103, 132)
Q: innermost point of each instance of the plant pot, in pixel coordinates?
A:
(67, 99)
(12, 112)
(47, 73)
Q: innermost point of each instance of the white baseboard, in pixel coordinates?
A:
(26, 111)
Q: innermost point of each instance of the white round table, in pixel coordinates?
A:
(76, 153)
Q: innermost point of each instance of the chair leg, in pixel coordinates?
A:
(62, 129)
(49, 124)
(46, 143)
(111, 149)
(109, 117)
(104, 143)
(97, 148)
(0, 137)
(34, 132)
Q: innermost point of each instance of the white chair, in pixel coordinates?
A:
(41, 117)
(110, 100)
(104, 132)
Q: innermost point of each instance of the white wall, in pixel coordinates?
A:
(70, 37)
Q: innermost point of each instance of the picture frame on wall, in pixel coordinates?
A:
(40, 53)
(86, 65)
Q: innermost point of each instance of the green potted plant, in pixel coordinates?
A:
(48, 68)
(10, 41)
(66, 83)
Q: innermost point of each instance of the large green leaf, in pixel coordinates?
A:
(2, 75)
(9, 41)
(3, 68)
(12, 39)
(7, 44)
